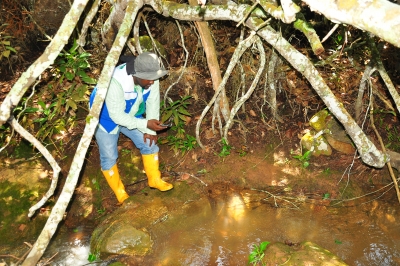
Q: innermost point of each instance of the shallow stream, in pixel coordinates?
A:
(223, 230)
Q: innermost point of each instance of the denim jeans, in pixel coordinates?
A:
(108, 145)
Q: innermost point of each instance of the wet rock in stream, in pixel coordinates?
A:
(132, 222)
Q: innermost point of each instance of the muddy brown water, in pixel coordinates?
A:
(223, 230)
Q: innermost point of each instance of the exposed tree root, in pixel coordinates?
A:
(212, 61)
(389, 186)
(302, 25)
(369, 153)
(270, 97)
(86, 24)
(361, 89)
(17, 258)
(371, 114)
(119, 25)
(382, 71)
(244, 98)
(183, 68)
(36, 143)
(56, 168)
(240, 49)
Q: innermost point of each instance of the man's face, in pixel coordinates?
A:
(144, 83)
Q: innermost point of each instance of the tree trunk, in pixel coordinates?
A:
(212, 61)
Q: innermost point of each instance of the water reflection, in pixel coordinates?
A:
(222, 231)
(377, 254)
(236, 208)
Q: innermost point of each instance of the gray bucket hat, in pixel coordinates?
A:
(146, 66)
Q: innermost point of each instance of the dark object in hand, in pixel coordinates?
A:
(166, 125)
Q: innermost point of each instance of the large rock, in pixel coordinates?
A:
(127, 230)
(338, 138)
(334, 133)
(318, 145)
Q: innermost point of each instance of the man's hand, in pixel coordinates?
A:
(155, 125)
(151, 138)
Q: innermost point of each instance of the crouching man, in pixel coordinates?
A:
(132, 107)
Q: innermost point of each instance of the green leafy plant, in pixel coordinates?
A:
(54, 109)
(96, 184)
(125, 151)
(327, 171)
(5, 44)
(338, 39)
(338, 242)
(202, 171)
(73, 64)
(101, 211)
(304, 158)
(257, 254)
(243, 151)
(177, 113)
(226, 148)
(92, 257)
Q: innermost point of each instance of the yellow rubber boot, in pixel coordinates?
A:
(115, 183)
(151, 164)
